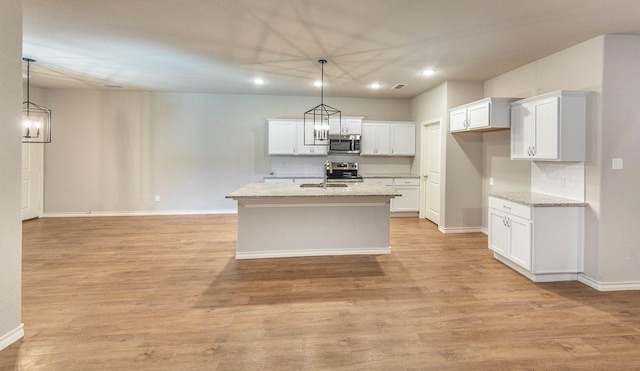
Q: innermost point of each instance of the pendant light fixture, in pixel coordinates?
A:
(36, 119)
(317, 118)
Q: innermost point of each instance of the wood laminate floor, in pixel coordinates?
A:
(165, 293)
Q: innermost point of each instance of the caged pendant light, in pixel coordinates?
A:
(36, 119)
(319, 116)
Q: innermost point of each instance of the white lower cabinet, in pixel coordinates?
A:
(410, 199)
(408, 203)
(542, 243)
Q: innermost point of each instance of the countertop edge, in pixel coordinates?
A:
(537, 199)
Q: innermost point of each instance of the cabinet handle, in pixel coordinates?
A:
(506, 207)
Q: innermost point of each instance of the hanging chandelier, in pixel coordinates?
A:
(319, 116)
(36, 119)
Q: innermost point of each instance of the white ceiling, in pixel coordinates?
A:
(219, 46)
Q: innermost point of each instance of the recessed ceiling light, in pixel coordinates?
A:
(428, 72)
(375, 85)
(258, 81)
(317, 83)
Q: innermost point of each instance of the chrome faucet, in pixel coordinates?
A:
(327, 170)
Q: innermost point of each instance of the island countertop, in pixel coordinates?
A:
(286, 190)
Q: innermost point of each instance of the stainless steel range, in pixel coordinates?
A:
(342, 172)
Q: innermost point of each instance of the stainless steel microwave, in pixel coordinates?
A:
(344, 144)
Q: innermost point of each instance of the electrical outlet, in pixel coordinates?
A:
(563, 182)
(616, 163)
(490, 181)
(157, 198)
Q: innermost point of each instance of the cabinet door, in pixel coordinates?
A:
(383, 139)
(499, 233)
(409, 201)
(305, 141)
(352, 126)
(403, 140)
(545, 129)
(334, 126)
(282, 137)
(458, 120)
(520, 242)
(479, 116)
(521, 132)
(368, 139)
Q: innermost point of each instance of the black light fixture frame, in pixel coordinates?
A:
(319, 117)
(33, 112)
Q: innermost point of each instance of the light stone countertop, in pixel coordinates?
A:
(282, 190)
(364, 175)
(537, 199)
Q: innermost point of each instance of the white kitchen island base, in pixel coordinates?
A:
(350, 221)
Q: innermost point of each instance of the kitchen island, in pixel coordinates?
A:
(290, 219)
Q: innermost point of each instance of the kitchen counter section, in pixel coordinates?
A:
(316, 177)
(537, 199)
(293, 190)
(285, 220)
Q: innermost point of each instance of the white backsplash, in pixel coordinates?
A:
(310, 165)
(560, 179)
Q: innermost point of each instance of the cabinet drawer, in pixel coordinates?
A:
(509, 207)
(406, 181)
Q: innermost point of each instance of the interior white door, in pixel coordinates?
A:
(430, 177)
(31, 180)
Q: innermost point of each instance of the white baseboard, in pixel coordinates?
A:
(460, 230)
(609, 286)
(300, 253)
(536, 277)
(12, 336)
(138, 213)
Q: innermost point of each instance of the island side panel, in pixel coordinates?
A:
(313, 227)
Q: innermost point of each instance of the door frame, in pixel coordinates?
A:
(423, 163)
(41, 180)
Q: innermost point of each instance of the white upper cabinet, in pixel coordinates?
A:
(549, 127)
(350, 125)
(403, 139)
(375, 139)
(287, 137)
(388, 139)
(282, 137)
(483, 115)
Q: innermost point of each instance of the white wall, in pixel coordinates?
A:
(618, 250)
(10, 168)
(461, 198)
(113, 151)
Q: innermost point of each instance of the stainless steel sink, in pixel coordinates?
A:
(321, 185)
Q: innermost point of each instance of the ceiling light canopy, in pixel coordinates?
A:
(375, 85)
(317, 118)
(258, 81)
(36, 119)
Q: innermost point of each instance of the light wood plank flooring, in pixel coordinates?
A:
(165, 293)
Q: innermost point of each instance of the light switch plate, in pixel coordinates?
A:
(616, 163)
